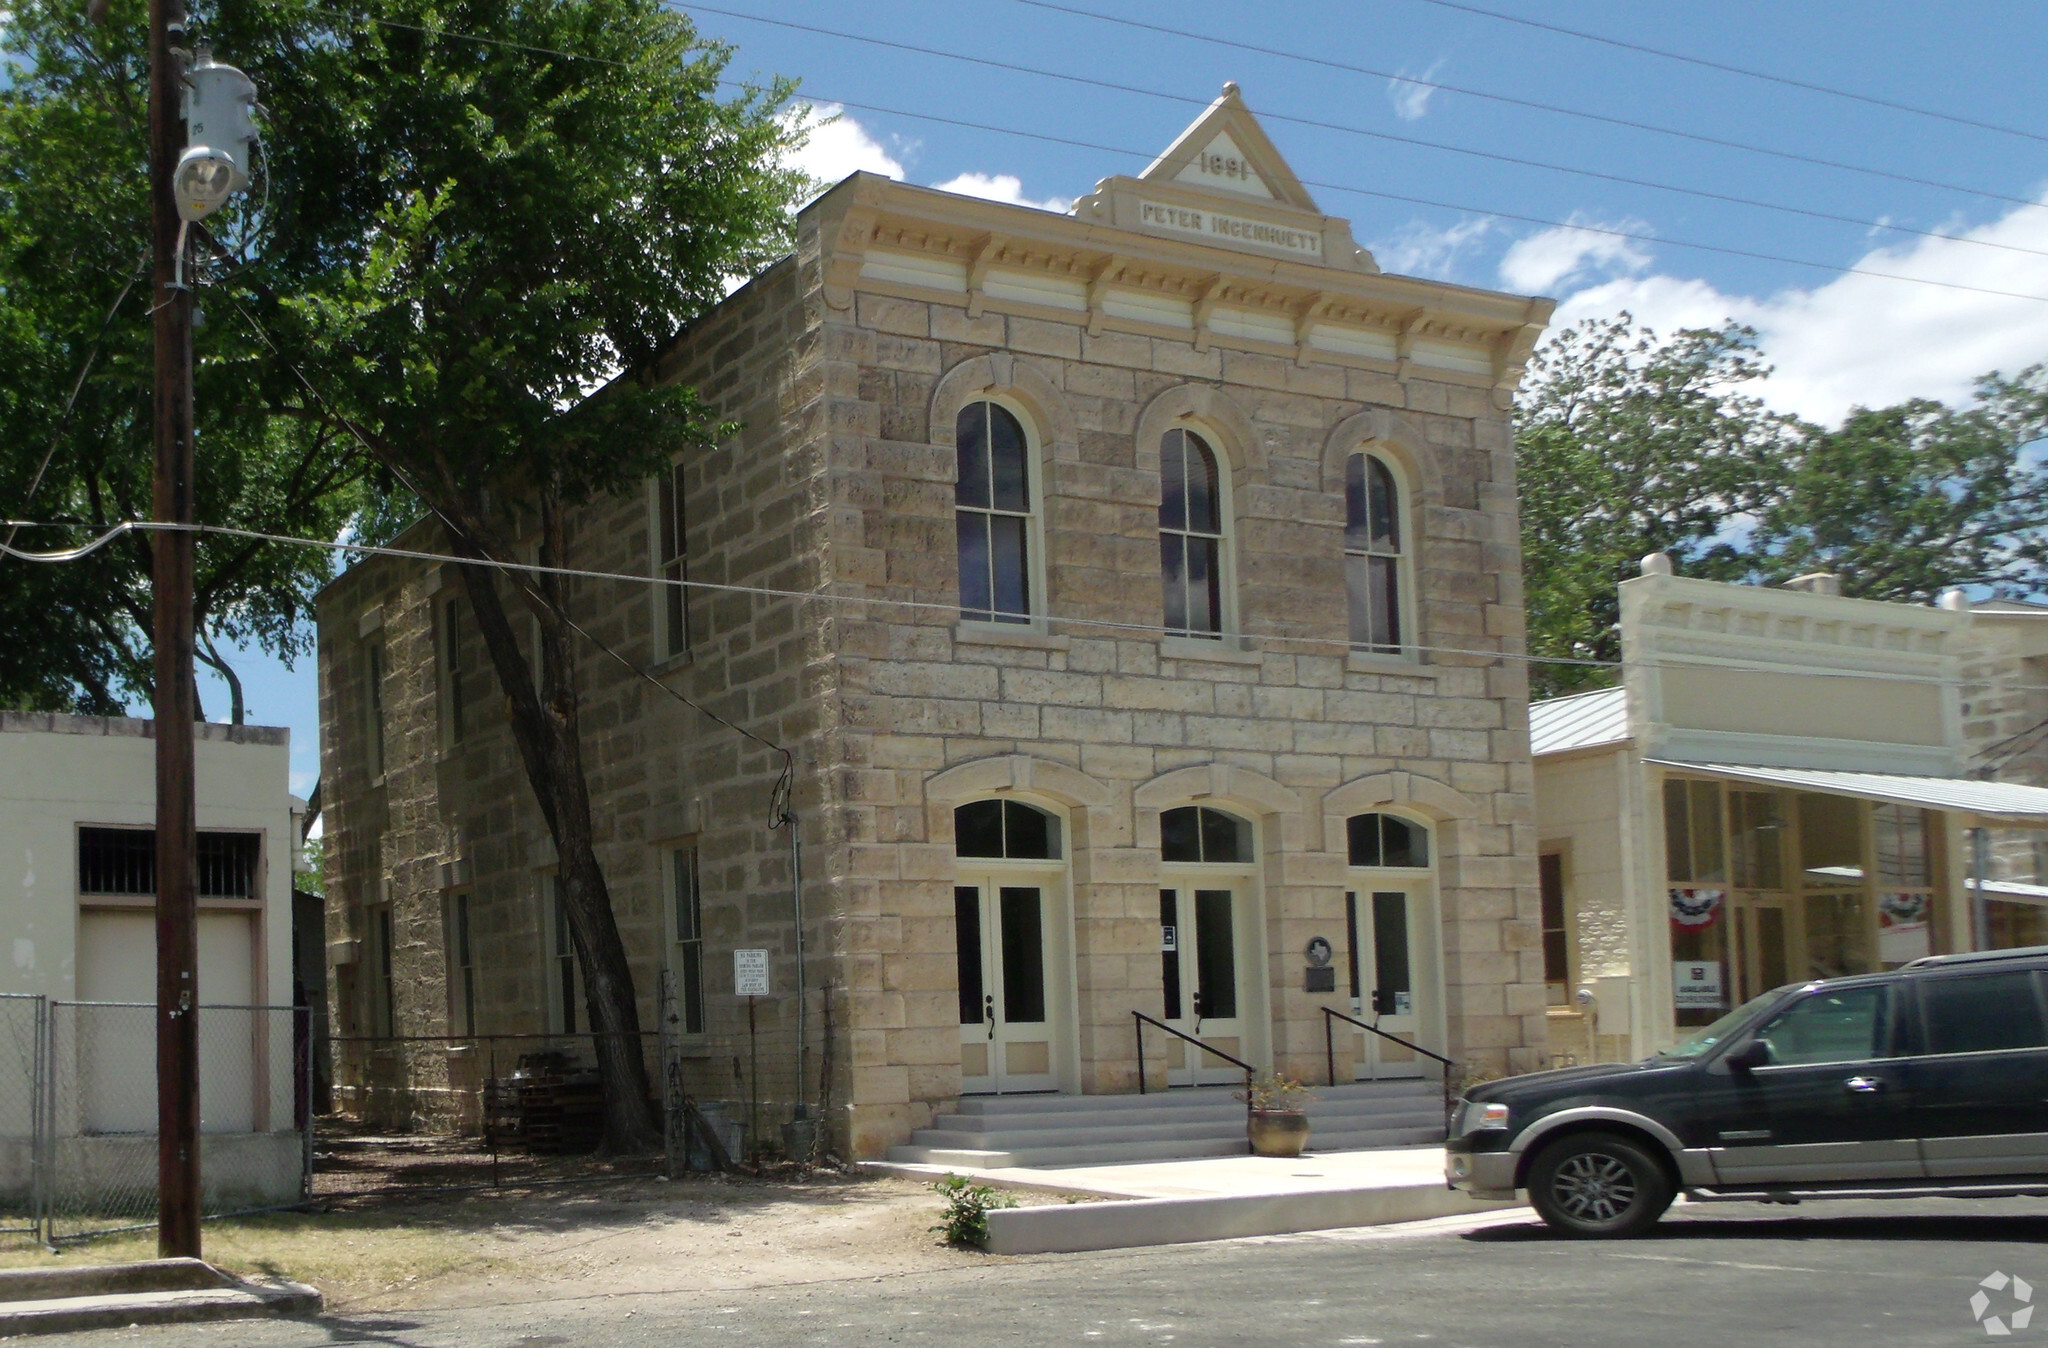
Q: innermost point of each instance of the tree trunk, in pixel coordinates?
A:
(546, 729)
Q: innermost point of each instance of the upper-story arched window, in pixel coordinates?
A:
(992, 500)
(1199, 833)
(1387, 840)
(1006, 829)
(1374, 563)
(1191, 551)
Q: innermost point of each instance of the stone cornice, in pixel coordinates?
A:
(887, 237)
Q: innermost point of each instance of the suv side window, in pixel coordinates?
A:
(1842, 1025)
(1981, 1013)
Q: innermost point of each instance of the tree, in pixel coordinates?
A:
(490, 220)
(75, 388)
(1903, 502)
(1628, 445)
(1625, 446)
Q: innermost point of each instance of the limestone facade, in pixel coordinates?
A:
(827, 620)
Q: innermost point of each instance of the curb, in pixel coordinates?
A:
(153, 1292)
(1071, 1228)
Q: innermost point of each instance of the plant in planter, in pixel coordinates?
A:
(1278, 1124)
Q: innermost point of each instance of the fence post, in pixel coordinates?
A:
(40, 1122)
(302, 1043)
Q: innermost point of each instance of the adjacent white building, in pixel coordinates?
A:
(78, 931)
(1782, 787)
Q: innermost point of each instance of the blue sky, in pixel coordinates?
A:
(1836, 340)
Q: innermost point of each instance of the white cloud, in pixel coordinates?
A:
(1860, 339)
(839, 145)
(1005, 187)
(1422, 250)
(1410, 94)
(1542, 262)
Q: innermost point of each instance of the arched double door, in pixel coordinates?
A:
(1394, 951)
(1013, 948)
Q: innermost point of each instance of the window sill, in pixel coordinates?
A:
(1027, 636)
(1223, 651)
(377, 782)
(1367, 662)
(670, 664)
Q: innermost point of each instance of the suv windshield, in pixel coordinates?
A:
(1702, 1040)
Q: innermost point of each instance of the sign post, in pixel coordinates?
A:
(750, 980)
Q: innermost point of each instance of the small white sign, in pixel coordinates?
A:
(1169, 939)
(1696, 985)
(750, 973)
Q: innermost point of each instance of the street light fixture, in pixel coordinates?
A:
(220, 127)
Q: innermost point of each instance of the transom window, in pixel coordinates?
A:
(1373, 559)
(1200, 834)
(992, 515)
(1387, 840)
(1006, 829)
(1191, 535)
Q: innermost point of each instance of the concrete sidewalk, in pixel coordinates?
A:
(1216, 1198)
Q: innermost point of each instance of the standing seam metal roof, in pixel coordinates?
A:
(1581, 721)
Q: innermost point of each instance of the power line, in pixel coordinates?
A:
(1653, 128)
(952, 610)
(1491, 156)
(1737, 70)
(1604, 231)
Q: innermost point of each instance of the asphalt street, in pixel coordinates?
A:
(1734, 1275)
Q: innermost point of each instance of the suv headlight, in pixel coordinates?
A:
(1478, 1115)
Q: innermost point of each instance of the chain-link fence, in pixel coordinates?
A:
(23, 1044)
(427, 1112)
(424, 1112)
(78, 1113)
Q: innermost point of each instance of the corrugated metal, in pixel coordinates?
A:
(1994, 802)
(1581, 721)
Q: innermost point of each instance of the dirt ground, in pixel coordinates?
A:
(700, 1233)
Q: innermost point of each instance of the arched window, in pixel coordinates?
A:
(992, 500)
(1373, 559)
(1191, 535)
(1387, 840)
(1006, 829)
(1198, 833)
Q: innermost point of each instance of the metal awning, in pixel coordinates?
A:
(1988, 802)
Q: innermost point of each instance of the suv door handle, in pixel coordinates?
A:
(1865, 1085)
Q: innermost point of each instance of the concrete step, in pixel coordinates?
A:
(1052, 1158)
(149, 1292)
(1070, 1130)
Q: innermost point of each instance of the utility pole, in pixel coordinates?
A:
(177, 874)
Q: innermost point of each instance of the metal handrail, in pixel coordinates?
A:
(1330, 1051)
(1330, 1042)
(1138, 1029)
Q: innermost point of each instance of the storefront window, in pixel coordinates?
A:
(1830, 840)
(1757, 837)
(1692, 832)
(1838, 932)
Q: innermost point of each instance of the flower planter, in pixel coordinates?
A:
(1278, 1132)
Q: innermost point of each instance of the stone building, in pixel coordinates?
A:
(1137, 590)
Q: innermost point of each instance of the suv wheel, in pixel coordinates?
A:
(1598, 1184)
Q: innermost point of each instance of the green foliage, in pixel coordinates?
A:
(1627, 445)
(1274, 1091)
(965, 1219)
(75, 389)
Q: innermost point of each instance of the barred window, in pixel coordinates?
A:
(123, 861)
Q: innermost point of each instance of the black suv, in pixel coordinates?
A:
(1930, 1079)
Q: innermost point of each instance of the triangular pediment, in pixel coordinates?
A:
(1225, 150)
